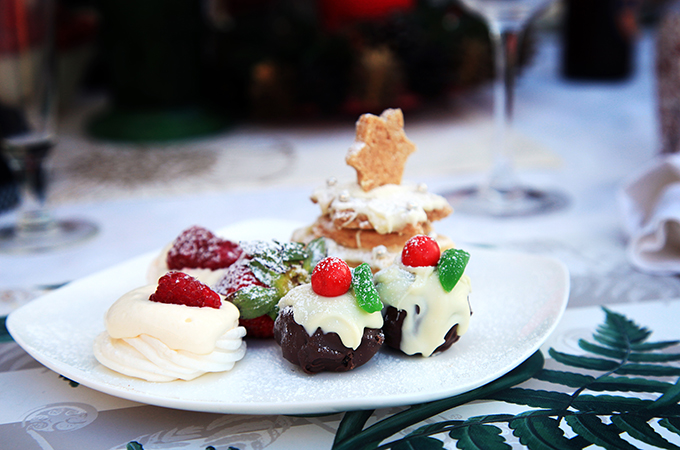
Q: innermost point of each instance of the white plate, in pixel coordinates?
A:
(517, 300)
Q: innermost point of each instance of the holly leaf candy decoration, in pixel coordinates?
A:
(282, 265)
(364, 289)
(254, 301)
(451, 267)
(316, 251)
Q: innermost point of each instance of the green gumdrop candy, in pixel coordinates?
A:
(364, 289)
(451, 267)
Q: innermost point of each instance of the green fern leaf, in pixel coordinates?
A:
(602, 351)
(533, 398)
(628, 384)
(618, 322)
(541, 432)
(479, 437)
(648, 370)
(670, 397)
(435, 428)
(592, 429)
(418, 443)
(607, 404)
(647, 346)
(634, 356)
(671, 423)
(612, 342)
(654, 357)
(352, 423)
(575, 380)
(387, 427)
(639, 428)
(583, 362)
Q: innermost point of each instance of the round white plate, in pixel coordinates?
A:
(517, 300)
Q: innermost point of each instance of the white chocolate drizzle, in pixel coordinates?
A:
(430, 311)
(388, 208)
(341, 314)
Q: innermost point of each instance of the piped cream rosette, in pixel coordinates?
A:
(164, 342)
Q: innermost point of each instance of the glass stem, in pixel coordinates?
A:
(27, 164)
(502, 180)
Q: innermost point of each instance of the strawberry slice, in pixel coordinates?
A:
(178, 288)
(239, 276)
(199, 248)
(259, 327)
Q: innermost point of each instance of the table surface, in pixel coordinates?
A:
(583, 139)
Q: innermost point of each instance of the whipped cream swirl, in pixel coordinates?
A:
(164, 342)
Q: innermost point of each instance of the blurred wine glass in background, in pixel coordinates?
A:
(502, 194)
(28, 106)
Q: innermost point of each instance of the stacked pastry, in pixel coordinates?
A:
(370, 219)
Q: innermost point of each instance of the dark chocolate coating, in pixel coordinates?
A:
(322, 351)
(394, 320)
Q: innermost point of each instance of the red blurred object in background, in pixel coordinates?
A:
(335, 14)
(15, 34)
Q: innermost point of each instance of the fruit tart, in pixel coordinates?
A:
(265, 272)
(177, 329)
(333, 323)
(425, 293)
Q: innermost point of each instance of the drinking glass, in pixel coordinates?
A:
(502, 194)
(28, 103)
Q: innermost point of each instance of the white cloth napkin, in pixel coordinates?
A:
(650, 202)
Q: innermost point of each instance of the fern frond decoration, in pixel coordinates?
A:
(619, 397)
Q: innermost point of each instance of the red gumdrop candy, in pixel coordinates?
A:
(331, 277)
(420, 251)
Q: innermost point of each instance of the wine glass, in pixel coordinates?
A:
(502, 194)
(28, 127)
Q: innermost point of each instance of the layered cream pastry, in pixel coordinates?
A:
(179, 329)
(426, 299)
(370, 219)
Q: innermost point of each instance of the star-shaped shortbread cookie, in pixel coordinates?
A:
(380, 149)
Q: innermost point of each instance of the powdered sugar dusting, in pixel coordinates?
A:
(198, 247)
(516, 301)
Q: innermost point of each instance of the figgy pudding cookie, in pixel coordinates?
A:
(333, 323)
(426, 297)
(370, 219)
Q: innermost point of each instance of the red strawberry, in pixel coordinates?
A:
(236, 277)
(197, 247)
(239, 276)
(259, 327)
(178, 288)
